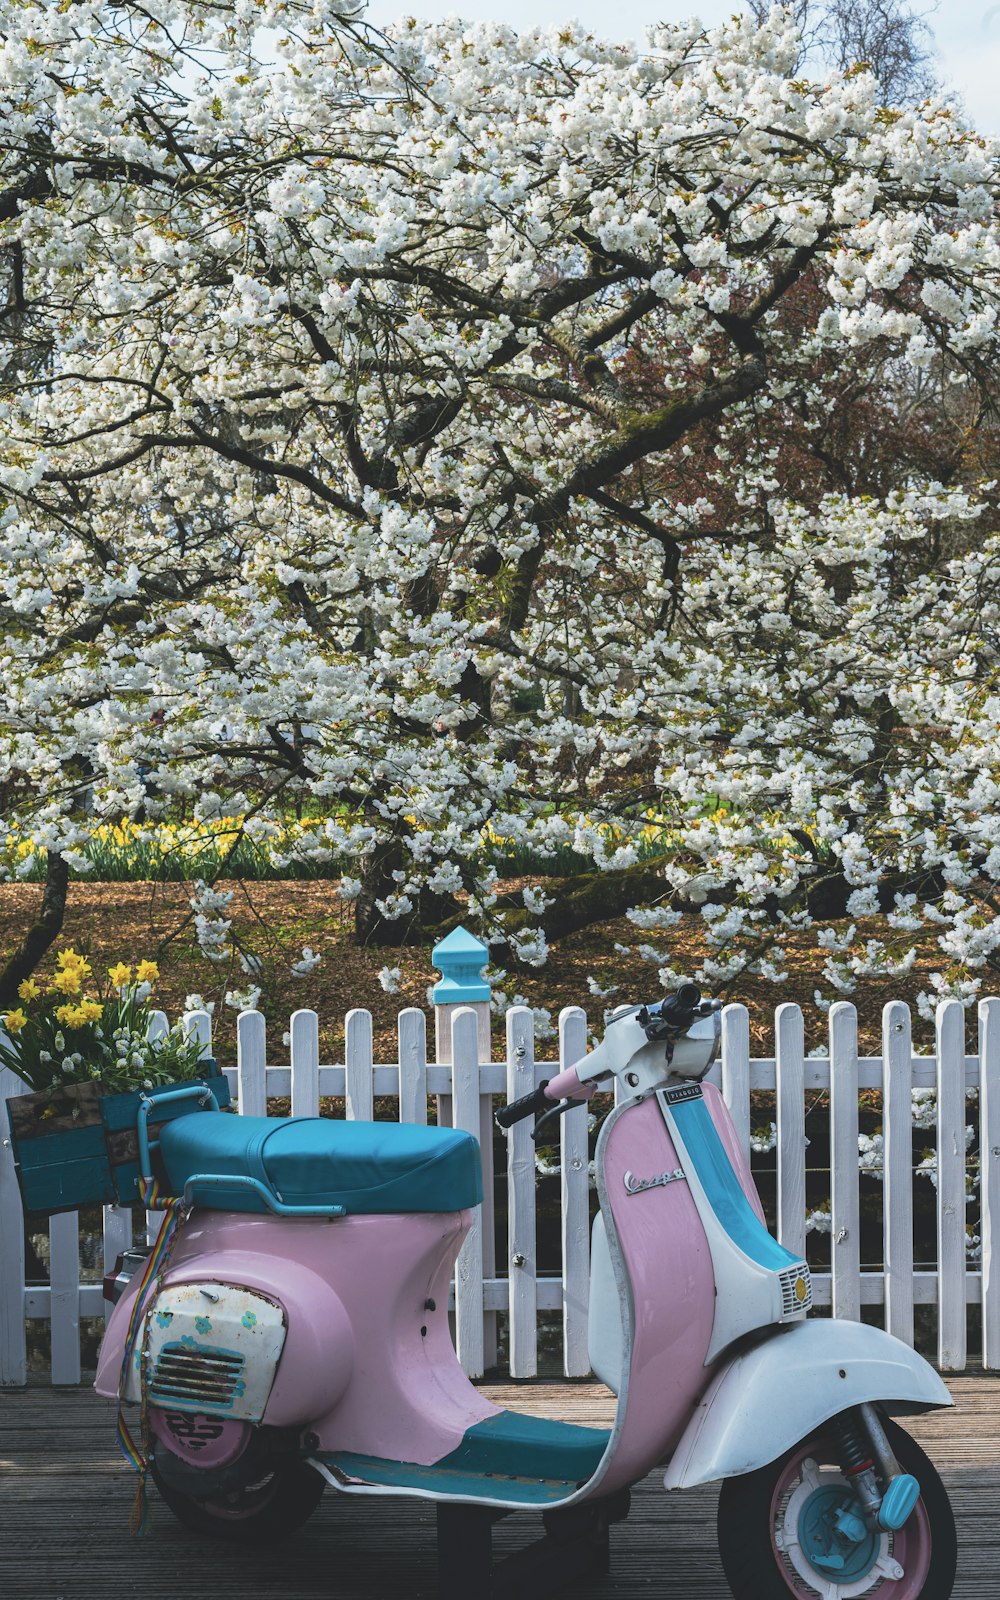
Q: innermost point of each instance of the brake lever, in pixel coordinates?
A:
(548, 1116)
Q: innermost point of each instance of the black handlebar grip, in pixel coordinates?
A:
(528, 1106)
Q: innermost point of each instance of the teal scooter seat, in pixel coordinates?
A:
(365, 1167)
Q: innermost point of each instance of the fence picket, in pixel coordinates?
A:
(521, 1258)
(469, 1267)
(736, 1069)
(117, 1239)
(789, 1047)
(251, 1064)
(845, 1248)
(951, 1185)
(444, 1014)
(411, 1026)
(897, 1169)
(13, 1333)
(304, 1058)
(360, 1086)
(64, 1296)
(575, 1194)
(989, 1146)
(199, 1023)
(157, 1028)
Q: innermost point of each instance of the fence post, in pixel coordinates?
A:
(460, 959)
(13, 1333)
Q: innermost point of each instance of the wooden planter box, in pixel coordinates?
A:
(77, 1146)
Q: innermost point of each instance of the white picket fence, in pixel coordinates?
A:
(464, 1081)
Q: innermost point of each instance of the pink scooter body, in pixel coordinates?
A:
(368, 1365)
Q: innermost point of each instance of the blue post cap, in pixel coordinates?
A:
(460, 959)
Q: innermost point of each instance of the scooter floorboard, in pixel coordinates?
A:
(511, 1457)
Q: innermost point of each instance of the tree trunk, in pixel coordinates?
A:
(41, 935)
(377, 883)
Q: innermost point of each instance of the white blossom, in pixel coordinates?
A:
(243, 999)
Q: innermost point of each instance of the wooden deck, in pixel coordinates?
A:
(65, 1496)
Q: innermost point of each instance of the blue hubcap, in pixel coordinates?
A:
(833, 1537)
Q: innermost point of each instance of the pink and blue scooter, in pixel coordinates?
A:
(299, 1338)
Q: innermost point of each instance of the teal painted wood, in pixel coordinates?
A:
(62, 1171)
(120, 1113)
(81, 1166)
(460, 959)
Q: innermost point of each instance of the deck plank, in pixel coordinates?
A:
(65, 1497)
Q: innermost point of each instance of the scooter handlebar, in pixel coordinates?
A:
(529, 1105)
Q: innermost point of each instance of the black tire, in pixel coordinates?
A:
(282, 1497)
(755, 1572)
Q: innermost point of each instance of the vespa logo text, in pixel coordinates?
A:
(635, 1185)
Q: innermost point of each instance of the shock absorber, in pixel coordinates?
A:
(855, 1458)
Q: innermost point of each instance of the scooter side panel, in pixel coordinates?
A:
(409, 1399)
(781, 1389)
(368, 1365)
(284, 1261)
(660, 1252)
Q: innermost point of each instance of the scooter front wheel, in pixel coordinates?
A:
(279, 1500)
(778, 1532)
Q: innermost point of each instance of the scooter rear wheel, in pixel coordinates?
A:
(768, 1522)
(279, 1500)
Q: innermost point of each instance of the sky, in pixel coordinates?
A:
(967, 32)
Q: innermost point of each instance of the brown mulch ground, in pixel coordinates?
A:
(115, 921)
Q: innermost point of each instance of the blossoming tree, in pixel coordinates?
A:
(348, 387)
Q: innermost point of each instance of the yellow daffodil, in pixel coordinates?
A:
(90, 1010)
(147, 972)
(68, 981)
(68, 1015)
(29, 989)
(120, 974)
(14, 1021)
(69, 961)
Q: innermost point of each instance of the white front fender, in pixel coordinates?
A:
(779, 1390)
